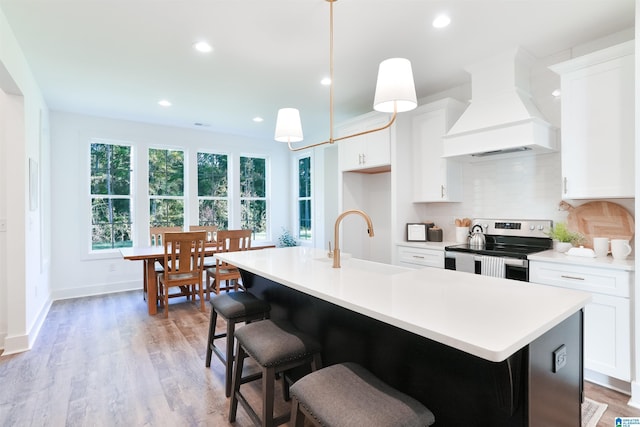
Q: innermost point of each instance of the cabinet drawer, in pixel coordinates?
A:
(590, 279)
(419, 257)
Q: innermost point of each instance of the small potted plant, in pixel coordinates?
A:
(564, 238)
(286, 239)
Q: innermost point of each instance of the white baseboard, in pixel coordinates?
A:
(19, 343)
(607, 381)
(107, 288)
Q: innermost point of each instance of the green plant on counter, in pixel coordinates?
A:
(561, 233)
(286, 239)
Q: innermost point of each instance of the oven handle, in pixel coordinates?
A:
(514, 262)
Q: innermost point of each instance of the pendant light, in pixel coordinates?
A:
(395, 93)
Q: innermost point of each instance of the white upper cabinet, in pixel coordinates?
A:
(365, 153)
(598, 124)
(435, 179)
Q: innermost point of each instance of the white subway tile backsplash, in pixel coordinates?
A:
(523, 187)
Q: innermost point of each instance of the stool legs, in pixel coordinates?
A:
(227, 358)
(268, 390)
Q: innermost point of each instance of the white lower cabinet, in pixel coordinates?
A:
(607, 320)
(409, 256)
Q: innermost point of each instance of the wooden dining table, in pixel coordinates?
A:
(149, 255)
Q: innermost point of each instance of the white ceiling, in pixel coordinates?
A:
(117, 58)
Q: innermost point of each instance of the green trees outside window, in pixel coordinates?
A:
(166, 188)
(304, 198)
(110, 196)
(253, 196)
(213, 190)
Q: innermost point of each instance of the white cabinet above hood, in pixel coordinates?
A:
(502, 117)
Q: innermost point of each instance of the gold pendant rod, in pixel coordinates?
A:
(331, 140)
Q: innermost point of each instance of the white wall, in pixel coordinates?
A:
(24, 278)
(70, 139)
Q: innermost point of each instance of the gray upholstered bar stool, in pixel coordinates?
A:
(234, 308)
(347, 394)
(276, 346)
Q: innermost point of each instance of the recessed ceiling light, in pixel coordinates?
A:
(441, 21)
(258, 119)
(202, 46)
(326, 81)
(164, 103)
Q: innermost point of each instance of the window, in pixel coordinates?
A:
(213, 190)
(304, 198)
(166, 188)
(110, 196)
(253, 196)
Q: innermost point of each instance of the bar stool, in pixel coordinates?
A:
(276, 347)
(347, 394)
(233, 307)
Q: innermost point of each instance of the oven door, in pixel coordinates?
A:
(515, 269)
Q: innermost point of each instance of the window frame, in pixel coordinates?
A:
(298, 199)
(185, 186)
(230, 186)
(266, 198)
(108, 252)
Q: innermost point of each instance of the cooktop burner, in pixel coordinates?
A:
(510, 238)
(503, 250)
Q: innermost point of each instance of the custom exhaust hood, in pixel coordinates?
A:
(502, 117)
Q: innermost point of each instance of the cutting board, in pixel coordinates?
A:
(599, 219)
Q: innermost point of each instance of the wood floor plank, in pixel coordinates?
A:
(102, 361)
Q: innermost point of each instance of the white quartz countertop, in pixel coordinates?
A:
(604, 262)
(488, 317)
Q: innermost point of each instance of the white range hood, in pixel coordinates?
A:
(502, 117)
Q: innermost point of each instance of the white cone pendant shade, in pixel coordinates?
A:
(395, 85)
(288, 125)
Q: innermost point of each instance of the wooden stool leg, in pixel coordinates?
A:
(237, 379)
(212, 332)
(231, 327)
(297, 417)
(268, 390)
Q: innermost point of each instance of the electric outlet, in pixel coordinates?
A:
(112, 267)
(559, 358)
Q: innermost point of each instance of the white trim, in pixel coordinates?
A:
(21, 343)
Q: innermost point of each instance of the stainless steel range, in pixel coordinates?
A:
(507, 244)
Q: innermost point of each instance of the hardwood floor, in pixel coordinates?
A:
(102, 361)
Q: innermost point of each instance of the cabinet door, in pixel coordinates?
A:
(371, 151)
(598, 130)
(435, 179)
(607, 336)
(350, 152)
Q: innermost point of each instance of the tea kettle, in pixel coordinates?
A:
(476, 238)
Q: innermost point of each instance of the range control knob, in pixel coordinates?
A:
(532, 227)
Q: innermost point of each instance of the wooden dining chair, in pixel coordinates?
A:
(156, 238)
(211, 231)
(227, 241)
(184, 265)
(156, 234)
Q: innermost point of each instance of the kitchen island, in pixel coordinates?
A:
(475, 350)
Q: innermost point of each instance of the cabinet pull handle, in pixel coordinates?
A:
(565, 185)
(442, 191)
(364, 159)
(572, 277)
(418, 257)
